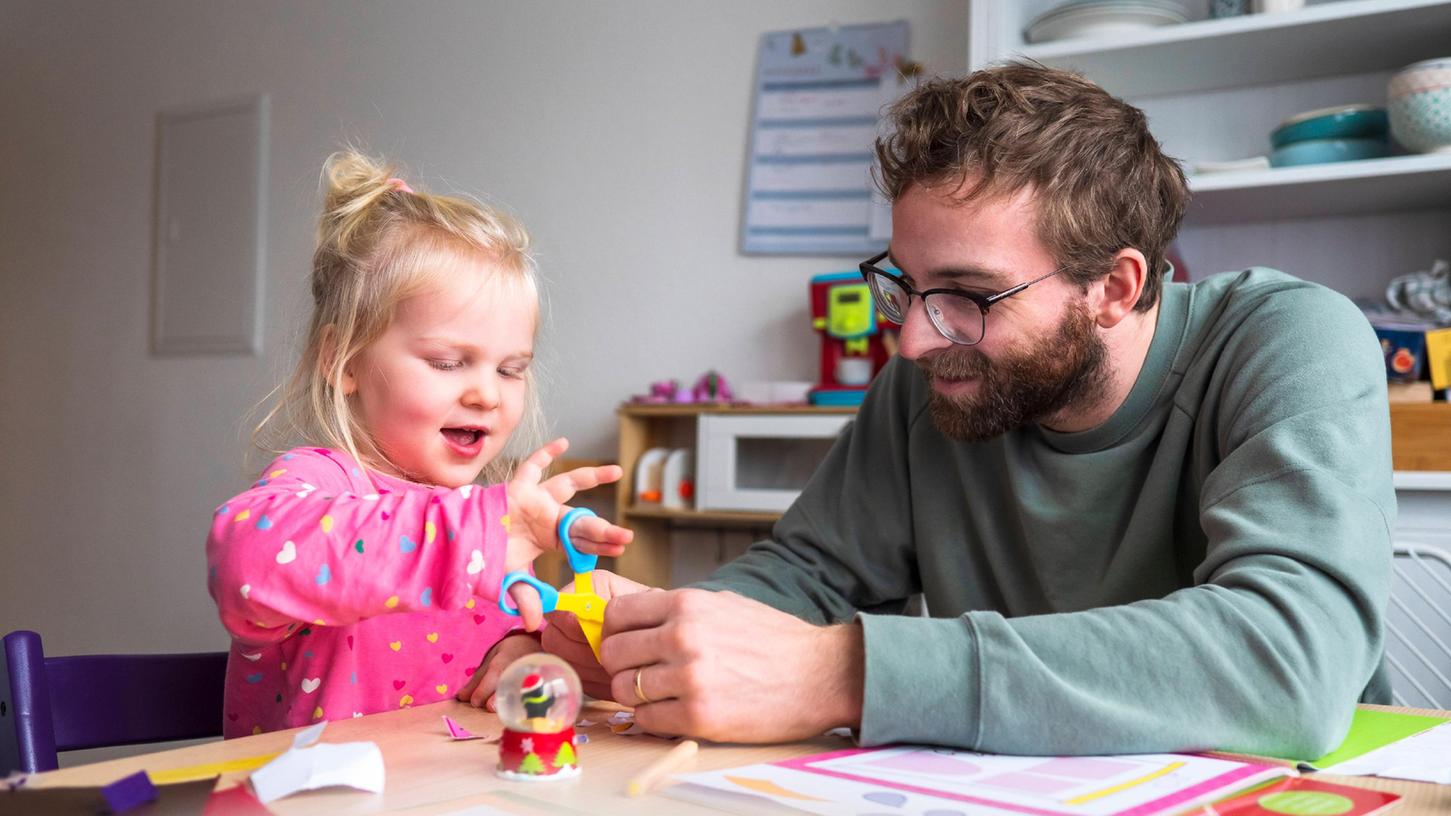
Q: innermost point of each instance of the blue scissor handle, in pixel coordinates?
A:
(548, 595)
(578, 561)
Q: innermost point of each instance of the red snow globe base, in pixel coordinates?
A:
(538, 700)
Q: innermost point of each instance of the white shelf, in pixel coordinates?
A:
(1422, 480)
(1344, 188)
(1327, 39)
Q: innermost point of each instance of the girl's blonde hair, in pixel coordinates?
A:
(378, 243)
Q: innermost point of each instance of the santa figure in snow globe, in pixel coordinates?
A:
(538, 700)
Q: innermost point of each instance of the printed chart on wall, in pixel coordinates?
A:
(938, 781)
(819, 96)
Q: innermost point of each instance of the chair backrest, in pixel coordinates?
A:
(52, 704)
(1418, 627)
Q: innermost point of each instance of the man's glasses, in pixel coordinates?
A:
(958, 315)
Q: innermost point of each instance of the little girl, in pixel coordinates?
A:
(361, 573)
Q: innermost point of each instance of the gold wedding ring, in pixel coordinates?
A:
(640, 692)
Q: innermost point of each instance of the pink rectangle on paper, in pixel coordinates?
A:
(1084, 767)
(1031, 783)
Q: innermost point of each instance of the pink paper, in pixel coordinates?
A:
(457, 731)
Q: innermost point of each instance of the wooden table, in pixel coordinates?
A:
(427, 773)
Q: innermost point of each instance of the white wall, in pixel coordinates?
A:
(617, 131)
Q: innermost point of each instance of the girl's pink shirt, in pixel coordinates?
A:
(347, 594)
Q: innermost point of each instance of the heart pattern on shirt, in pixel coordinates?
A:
(476, 562)
(396, 645)
(399, 684)
(406, 544)
(432, 637)
(288, 553)
(310, 684)
(246, 590)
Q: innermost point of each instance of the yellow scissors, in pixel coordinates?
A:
(583, 602)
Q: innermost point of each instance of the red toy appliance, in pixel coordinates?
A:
(852, 337)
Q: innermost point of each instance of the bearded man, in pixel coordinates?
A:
(1145, 516)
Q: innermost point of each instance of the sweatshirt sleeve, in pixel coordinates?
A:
(1269, 648)
(301, 547)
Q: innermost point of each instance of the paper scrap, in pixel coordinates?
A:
(1371, 729)
(309, 765)
(1421, 757)
(457, 731)
(129, 792)
(210, 770)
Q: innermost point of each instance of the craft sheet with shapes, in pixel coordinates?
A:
(921, 780)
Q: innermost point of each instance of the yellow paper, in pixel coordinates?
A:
(192, 773)
(1438, 357)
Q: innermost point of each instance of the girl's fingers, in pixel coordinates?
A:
(484, 692)
(532, 469)
(565, 485)
(593, 534)
(531, 609)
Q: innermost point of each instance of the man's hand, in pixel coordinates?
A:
(722, 667)
(566, 640)
(479, 690)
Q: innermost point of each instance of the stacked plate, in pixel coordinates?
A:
(1343, 133)
(1103, 18)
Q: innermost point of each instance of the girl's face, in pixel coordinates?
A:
(443, 388)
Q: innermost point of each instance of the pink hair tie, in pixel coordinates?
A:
(400, 184)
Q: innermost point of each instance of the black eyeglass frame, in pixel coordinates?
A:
(870, 271)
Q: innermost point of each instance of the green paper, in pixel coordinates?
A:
(1372, 729)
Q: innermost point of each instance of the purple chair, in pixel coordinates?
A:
(50, 704)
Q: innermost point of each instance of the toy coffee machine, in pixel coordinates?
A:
(854, 337)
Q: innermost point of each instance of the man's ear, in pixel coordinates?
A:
(1118, 291)
(327, 358)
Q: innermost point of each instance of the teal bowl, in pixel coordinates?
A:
(1322, 151)
(1343, 122)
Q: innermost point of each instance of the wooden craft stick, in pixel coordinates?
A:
(662, 767)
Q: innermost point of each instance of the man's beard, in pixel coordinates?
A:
(1069, 368)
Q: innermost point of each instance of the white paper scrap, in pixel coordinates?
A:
(309, 765)
(1421, 757)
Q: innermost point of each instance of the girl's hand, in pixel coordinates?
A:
(535, 507)
(479, 690)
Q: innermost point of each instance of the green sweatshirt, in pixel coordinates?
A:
(1207, 569)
